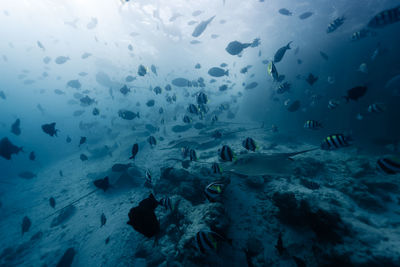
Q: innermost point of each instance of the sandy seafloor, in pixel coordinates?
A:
(353, 214)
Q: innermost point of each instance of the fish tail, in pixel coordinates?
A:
(288, 45)
(227, 72)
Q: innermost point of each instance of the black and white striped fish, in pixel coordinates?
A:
(166, 203)
(384, 18)
(376, 108)
(389, 165)
(214, 190)
(249, 144)
(202, 98)
(312, 124)
(207, 241)
(226, 153)
(332, 104)
(216, 169)
(335, 141)
(334, 25)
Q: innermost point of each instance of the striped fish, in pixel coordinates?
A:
(214, 190)
(376, 108)
(312, 124)
(166, 203)
(384, 18)
(335, 141)
(332, 104)
(216, 169)
(207, 241)
(226, 153)
(334, 25)
(148, 180)
(250, 144)
(389, 165)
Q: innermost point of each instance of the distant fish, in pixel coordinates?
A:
(67, 258)
(95, 111)
(285, 12)
(223, 87)
(200, 28)
(197, 66)
(323, 55)
(152, 140)
(134, 151)
(284, 87)
(281, 52)
(355, 93)
(83, 74)
(153, 69)
(87, 100)
(157, 90)
(235, 47)
(2, 95)
(180, 82)
(311, 79)
(335, 24)
(50, 129)
(103, 184)
(251, 85)
(26, 224)
(226, 153)
(196, 13)
(335, 141)
(61, 59)
(124, 90)
(376, 108)
(92, 24)
(46, 60)
(128, 115)
(77, 113)
(385, 17)
(32, 156)
(294, 106)
(312, 125)
(361, 34)
(218, 72)
(103, 220)
(68, 139)
(82, 140)
(150, 103)
(86, 55)
(141, 70)
(83, 157)
(272, 71)
(52, 202)
(279, 245)
(16, 127)
(130, 78)
(74, 84)
(27, 175)
(389, 165)
(40, 45)
(214, 36)
(306, 15)
(195, 42)
(192, 22)
(59, 92)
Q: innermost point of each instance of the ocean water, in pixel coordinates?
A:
(154, 133)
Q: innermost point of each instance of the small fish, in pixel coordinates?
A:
(197, 66)
(83, 157)
(285, 12)
(284, 87)
(103, 184)
(335, 24)
(332, 104)
(335, 141)
(385, 17)
(305, 15)
(202, 98)
(82, 140)
(68, 139)
(223, 87)
(312, 125)
(361, 34)
(26, 224)
(226, 153)
(187, 119)
(207, 241)
(87, 101)
(85, 55)
(50, 129)
(389, 165)
(124, 90)
(61, 173)
(201, 27)
(376, 108)
(280, 53)
(214, 190)
(16, 127)
(95, 111)
(279, 245)
(103, 220)
(249, 144)
(166, 203)
(157, 90)
(52, 202)
(32, 156)
(152, 140)
(150, 103)
(27, 175)
(141, 70)
(355, 93)
(218, 72)
(272, 71)
(324, 56)
(311, 79)
(192, 155)
(61, 60)
(193, 109)
(148, 179)
(236, 47)
(216, 169)
(40, 45)
(135, 150)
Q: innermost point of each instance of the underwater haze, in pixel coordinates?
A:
(199, 133)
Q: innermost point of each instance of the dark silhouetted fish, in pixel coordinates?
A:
(130, 78)
(68, 139)
(279, 245)
(235, 47)
(285, 12)
(150, 103)
(15, 127)
(281, 52)
(40, 45)
(50, 129)
(141, 70)
(143, 219)
(200, 28)
(323, 55)
(385, 17)
(128, 115)
(180, 82)
(87, 100)
(2, 95)
(311, 79)
(83, 157)
(294, 106)
(85, 55)
(251, 85)
(32, 155)
(61, 60)
(103, 184)
(103, 220)
(305, 15)
(153, 69)
(124, 90)
(52, 202)
(67, 259)
(218, 72)
(82, 140)
(26, 224)
(74, 84)
(355, 93)
(135, 150)
(7, 148)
